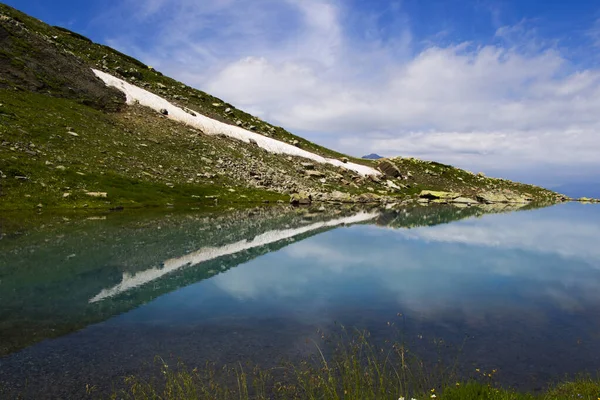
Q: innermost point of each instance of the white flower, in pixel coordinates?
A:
(433, 396)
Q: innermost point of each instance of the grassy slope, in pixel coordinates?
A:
(429, 175)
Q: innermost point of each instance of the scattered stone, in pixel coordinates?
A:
(252, 141)
(239, 123)
(308, 166)
(61, 167)
(65, 195)
(97, 194)
(73, 134)
(345, 160)
(296, 143)
(164, 111)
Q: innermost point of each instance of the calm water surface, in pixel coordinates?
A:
(89, 300)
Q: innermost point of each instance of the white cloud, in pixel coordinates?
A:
(319, 68)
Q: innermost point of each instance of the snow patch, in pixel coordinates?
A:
(213, 127)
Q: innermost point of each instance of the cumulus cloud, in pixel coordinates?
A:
(324, 69)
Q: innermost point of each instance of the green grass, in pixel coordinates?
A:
(40, 161)
(356, 369)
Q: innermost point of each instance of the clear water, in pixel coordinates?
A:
(89, 300)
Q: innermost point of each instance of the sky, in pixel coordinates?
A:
(507, 87)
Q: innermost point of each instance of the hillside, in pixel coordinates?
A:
(68, 140)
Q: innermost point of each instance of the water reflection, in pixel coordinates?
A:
(255, 284)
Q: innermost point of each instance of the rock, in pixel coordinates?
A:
(296, 143)
(345, 160)
(65, 195)
(314, 174)
(97, 194)
(73, 134)
(389, 169)
(368, 198)
(308, 165)
(164, 111)
(206, 160)
(464, 200)
(300, 198)
(434, 195)
(61, 167)
(227, 110)
(392, 185)
(252, 141)
(337, 196)
(491, 197)
(374, 178)
(423, 201)
(239, 123)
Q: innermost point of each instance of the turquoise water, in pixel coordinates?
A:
(91, 299)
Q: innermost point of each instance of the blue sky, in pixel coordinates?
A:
(507, 87)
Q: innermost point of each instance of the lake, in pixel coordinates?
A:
(90, 298)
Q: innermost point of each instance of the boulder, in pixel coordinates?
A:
(367, 198)
(164, 111)
(491, 197)
(464, 200)
(434, 194)
(392, 185)
(301, 198)
(314, 174)
(345, 160)
(389, 169)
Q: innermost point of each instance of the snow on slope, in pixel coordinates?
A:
(213, 127)
(209, 253)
